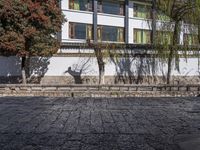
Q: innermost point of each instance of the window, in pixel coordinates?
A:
(190, 39)
(164, 37)
(80, 31)
(99, 33)
(142, 36)
(111, 7)
(163, 17)
(109, 33)
(142, 11)
(85, 5)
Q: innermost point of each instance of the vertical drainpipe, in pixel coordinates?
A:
(126, 21)
(59, 34)
(95, 21)
(153, 34)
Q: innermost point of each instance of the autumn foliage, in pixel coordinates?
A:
(29, 27)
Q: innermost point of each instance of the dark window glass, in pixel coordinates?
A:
(80, 31)
(108, 33)
(111, 7)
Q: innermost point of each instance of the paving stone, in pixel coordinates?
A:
(42, 123)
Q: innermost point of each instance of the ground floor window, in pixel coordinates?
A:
(110, 33)
(80, 31)
(104, 33)
(190, 39)
(164, 37)
(142, 36)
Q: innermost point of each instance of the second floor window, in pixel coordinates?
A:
(111, 7)
(142, 11)
(84, 5)
(80, 31)
(142, 36)
(162, 16)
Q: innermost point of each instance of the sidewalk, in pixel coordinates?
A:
(190, 142)
(43, 123)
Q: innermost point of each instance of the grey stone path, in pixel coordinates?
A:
(97, 124)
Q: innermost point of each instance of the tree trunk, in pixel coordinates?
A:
(199, 33)
(101, 64)
(23, 66)
(169, 66)
(101, 74)
(175, 42)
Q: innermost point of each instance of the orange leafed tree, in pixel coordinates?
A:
(29, 28)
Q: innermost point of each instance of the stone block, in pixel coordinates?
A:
(64, 88)
(36, 88)
(143, 88)
(114, 88)
(50, 88)
(79, 88)
(194, 88)
(124, 88)
(133, 88)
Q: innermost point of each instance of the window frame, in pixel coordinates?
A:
(120, 3)
(88, 8)
(72, 32)
(143, 31)
(118, 39)
(148, 14)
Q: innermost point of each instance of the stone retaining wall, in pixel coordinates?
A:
(111, 80)
(100, 91)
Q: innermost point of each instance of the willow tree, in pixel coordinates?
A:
(29, 28)
(177, 12)
(101, 52)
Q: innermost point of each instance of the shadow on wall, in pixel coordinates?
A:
(131, 69)
(10, 70)
(38, 68)
(77, 69)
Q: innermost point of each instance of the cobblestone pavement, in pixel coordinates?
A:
(96, 123)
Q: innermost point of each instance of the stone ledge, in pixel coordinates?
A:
(100, 90)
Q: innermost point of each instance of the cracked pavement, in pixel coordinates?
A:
(42, 123)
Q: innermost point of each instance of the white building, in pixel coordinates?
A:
(126, 22)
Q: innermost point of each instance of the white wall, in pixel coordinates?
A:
(110, 20)
(56, 66)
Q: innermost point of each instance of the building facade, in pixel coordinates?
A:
(126, 22)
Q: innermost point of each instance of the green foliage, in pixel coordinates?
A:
(179, 12)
